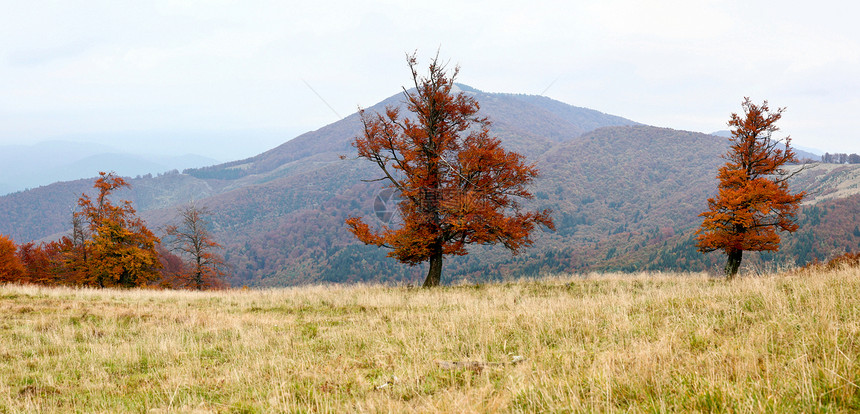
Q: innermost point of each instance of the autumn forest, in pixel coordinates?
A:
(489, 187)
(111, 247)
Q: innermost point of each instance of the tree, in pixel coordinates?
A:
(173, 269)
(192, 239)
(753, 199)
(457, 184)
(42, 262)
(11, 268)
(111, 245)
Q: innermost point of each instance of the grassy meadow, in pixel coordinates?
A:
(640, 343)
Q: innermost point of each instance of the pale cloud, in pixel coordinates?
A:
(80, 67)
(672, 21)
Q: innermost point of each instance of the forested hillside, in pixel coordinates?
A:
(624, 196)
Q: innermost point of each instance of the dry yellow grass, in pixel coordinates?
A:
(646, 342)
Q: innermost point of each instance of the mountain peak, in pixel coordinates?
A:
(462, 87)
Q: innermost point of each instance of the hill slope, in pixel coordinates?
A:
(29, 166)
(624, 196)
(36, 214)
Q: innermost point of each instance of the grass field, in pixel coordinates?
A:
(645, 342)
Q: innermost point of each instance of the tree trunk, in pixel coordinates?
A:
(434, 275)
(733, 263)
(198, 273)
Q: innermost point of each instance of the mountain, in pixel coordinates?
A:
(526, 124)
(803, 154)
(29, 166)
(625, 196)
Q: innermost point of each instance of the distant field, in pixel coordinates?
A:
(645, 342)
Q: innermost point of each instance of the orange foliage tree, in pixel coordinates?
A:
(11, 268)
(173, 269)
(111, 245)
(753, 199)
(457, 184)
(192, 239)
(43, 263)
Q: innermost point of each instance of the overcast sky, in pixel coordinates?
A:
(231, 77)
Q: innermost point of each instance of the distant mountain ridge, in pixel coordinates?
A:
(802, 154)
(625, 196)
(30, 166)
(539, 121)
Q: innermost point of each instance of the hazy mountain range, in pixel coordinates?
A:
(30, 166)
(802, 153)
(624, 195)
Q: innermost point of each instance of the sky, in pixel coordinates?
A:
(229, 79)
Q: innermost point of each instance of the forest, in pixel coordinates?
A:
(110, 246)
(840, 158)
(624, 196)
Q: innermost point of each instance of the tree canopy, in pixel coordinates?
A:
(457, 184)
(192, 239)
(11, 268)
(753, 200)
(114, 246)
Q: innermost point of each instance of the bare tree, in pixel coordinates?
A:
(192, 240)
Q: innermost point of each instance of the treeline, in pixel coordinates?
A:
(214, 173)
(840, 158)
(111, 247)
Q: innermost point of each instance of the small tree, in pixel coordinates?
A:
(753, 199)
(457, 184)
(117, 249)
(173, 269)
(43, 262)
(192, 238)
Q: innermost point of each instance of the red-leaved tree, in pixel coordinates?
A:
(43, 263)
(457, 184)
(753, 199)
(111, 246)
(11, 268)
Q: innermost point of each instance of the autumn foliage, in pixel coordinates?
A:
(753, 200)
(116, 248)
(43, 263)
(11, 268)
(109, 247)
(848, 259)
(457, 184)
